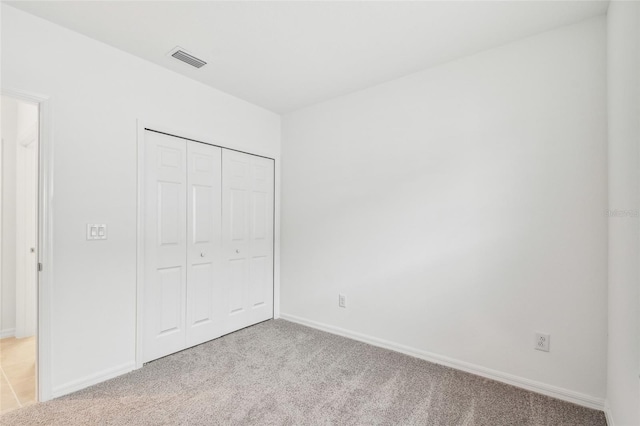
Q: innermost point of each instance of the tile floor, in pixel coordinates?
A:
(17, 373)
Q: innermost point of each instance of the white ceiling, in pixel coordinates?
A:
(287, 55)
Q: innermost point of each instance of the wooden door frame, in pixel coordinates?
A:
(44, 368)
(142, 127)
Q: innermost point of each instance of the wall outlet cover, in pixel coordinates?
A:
(542, 342)
(342, 301)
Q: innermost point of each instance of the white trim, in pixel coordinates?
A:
(92, 379)
(608, 415)
(45, 239)
(7, 332)
(140, 247)
(277, 194)
(521, 382)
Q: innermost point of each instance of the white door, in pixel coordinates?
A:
(247, 238)
(165, 245)
(204, 279)
(26, 233)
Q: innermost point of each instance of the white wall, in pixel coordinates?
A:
(623, 46)
(8, 289)
(97, 93)
(461, 209)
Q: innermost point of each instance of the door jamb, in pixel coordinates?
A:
(44, 369)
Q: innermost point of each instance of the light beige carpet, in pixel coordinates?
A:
(280, 373)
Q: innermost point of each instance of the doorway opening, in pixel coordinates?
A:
(19, 252)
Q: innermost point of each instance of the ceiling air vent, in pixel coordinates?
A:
(181, 55)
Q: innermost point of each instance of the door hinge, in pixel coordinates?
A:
(39, 267)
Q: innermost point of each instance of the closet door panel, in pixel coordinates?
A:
(165, 245)
(247, 238)
(205, 298)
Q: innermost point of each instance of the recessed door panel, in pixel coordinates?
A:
(237, 279)
(258, 278)
(203, 297)
(237, 168)
(205, 211)
(238, 214)
(170, 157)
(170, 219)
(169, 282)
(260, 215)
(203, 162)
(261, 175)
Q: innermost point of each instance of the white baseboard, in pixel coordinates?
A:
(7, 332)
(92, 379)
(608, 414)
(521, 382)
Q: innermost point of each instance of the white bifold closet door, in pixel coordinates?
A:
(183, 297)
(247, 234)
(208, 243)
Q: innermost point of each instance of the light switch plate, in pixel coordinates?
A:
(96, 231)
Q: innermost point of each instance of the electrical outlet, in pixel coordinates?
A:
(342, 301)
(542, 342)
